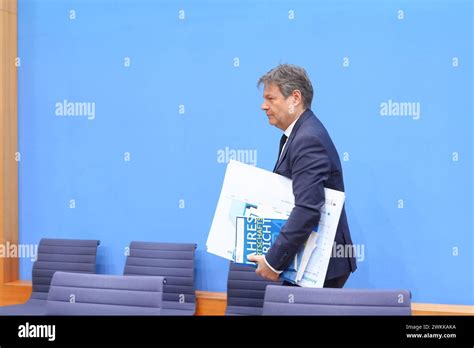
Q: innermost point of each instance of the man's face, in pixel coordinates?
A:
(280, 110)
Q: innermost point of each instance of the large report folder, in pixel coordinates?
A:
(248, 192)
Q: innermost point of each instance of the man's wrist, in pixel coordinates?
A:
(269, 266)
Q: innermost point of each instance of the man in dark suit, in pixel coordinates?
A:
(308, 157)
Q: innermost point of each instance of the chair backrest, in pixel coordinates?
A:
(100, 294)
(175, 262)
(68, 255)
(245, 290)
(290, 300)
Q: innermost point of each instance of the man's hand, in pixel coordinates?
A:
(263, 270)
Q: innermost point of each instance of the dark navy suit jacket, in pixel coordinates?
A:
(310, 159)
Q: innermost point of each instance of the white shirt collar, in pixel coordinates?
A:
(290, 127)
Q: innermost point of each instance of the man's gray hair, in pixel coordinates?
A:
(289, 78)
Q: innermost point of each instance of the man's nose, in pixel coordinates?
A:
(264, 106)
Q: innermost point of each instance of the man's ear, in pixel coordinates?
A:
(297, 97)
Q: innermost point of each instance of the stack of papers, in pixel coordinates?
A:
(252, 192)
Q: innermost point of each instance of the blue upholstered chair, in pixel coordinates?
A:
(245, 290)
(100, 294)
(175, 262)
(70, 255)
(290, 300)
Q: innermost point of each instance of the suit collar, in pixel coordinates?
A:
(304, 116)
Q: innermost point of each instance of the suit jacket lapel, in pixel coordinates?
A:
(304, 116)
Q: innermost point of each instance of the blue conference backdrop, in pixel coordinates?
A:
(129, 112)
